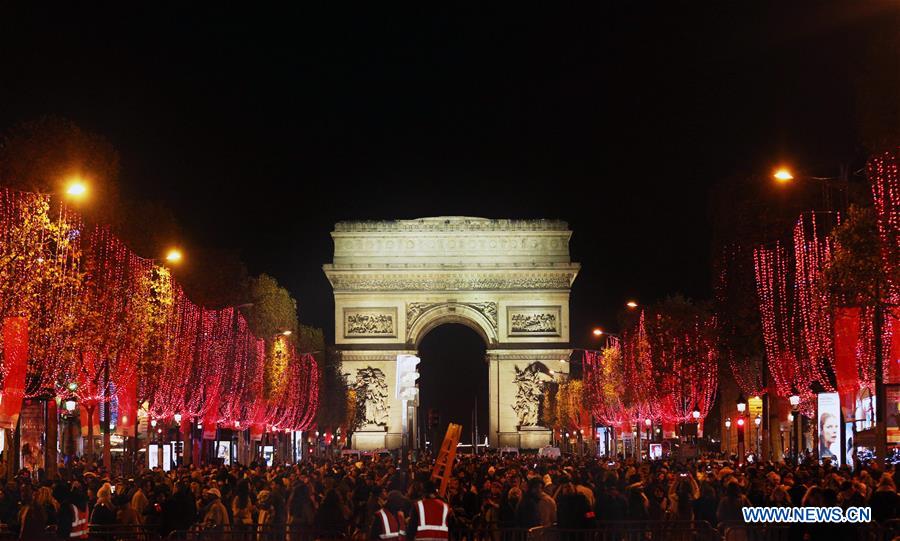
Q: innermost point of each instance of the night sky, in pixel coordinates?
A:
(261, 128)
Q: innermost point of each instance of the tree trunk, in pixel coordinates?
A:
(50, 454)
(89, 453)
(880, 395)
(107, 412)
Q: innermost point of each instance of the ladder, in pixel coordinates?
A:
(443, 466)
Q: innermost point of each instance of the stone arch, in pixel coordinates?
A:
(508, 280)
(440, 314)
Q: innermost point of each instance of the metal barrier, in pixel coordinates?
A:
(488, 534)
(741, 531)
(123, 533)
(676, 530)
(605, 531)
(259, 534)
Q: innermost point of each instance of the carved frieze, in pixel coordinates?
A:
(370, 322)
(451, 282)
(450, 223)
(534, 320)
(414, 310)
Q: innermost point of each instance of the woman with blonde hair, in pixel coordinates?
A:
(104, 513)
(44, 498)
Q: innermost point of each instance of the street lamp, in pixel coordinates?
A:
(794, 399)
(76, 188)
(631, 304)
(177, 417)
(758, 422)
(174, 255)
(783, 175)
(727, 432)
(741, 403)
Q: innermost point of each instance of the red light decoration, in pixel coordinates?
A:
(15, 364)
(656, 372)
(882, 171)
(108, 313)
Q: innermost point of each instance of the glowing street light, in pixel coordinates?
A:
(178, 418)
(741, 403)
(174, 256)
(696, 414)
(631, 304)
(76, 188)
(783, 175)
(598, 332)
(286, 333)
(728, 422)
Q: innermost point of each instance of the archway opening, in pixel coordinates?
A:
(453, 383)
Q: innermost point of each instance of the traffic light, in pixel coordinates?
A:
(407, 376)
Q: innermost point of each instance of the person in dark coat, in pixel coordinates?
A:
(611, 504)
(573, 510)
(104, 513)
(885, 502)
(528, 514)
(179, 512)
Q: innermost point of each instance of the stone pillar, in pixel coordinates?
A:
(511, 369)
(377, 372)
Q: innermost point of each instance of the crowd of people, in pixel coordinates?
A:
(377, 497)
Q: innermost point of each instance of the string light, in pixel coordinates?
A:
(96, 308)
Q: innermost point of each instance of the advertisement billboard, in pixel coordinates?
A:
(829, 427)
(892, 393)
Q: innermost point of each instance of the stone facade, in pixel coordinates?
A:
(509, 280)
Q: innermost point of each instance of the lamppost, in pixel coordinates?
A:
(727, 435)
(758, 421)
(153, 423)
(741, 407)
(649, 424)
(636, 446)
(177, 439)
(696, 415)
(792, 440)
(794, 399)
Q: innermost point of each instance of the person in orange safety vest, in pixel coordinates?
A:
(390, 521)
(430, 517)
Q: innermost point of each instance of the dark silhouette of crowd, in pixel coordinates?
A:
(342, 495)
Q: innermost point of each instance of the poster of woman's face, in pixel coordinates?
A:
(829, 428)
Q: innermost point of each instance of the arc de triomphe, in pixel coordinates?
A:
(509, 280)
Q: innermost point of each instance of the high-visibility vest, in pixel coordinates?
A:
(80, 524)
(432, 520)
(392, 526)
